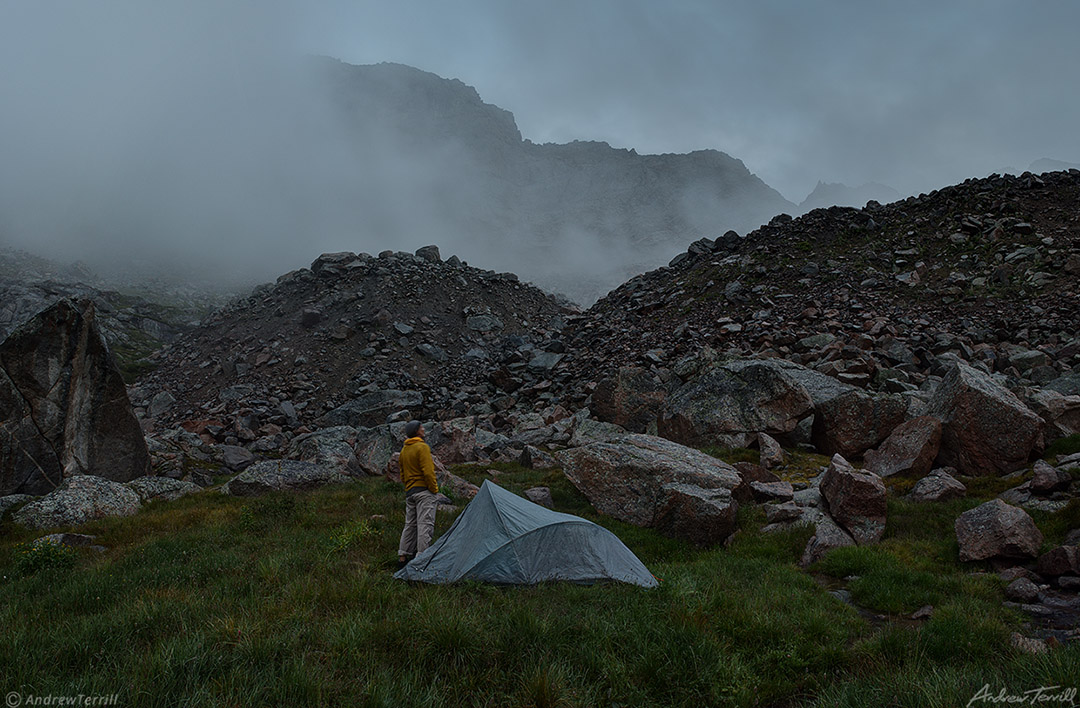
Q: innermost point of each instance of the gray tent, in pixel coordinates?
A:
(502, 538)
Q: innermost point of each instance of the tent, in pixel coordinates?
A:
(503, 538)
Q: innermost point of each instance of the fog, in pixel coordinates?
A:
(193, 134)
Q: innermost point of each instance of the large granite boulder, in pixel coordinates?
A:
(730, 404)
(986, 430)
(1062, 560)
(633, 398)
(855, 499)
(910, 449)
(653, 482)
(996, 529)
(64, 410)
(77, 500)
(827, 536)
(332, 448)
(375, 446)
(453, 441)
(282, 475)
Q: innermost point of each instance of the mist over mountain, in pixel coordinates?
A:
(246, 176)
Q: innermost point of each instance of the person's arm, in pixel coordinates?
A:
(428, 466)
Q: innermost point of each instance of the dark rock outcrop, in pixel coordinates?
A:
(855, 499)
(910, 449)
(63, 405)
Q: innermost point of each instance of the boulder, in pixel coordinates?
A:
(856, 500)
(910, 449)
(371, 408)
(163, 488)
(1063, 560)
(64, 409)
(453, 441)
(939, 485)
(1060, 413)
(541, 496)
(782, 512)
(332, 448)
(827, 536)
(996, 529)
(653, 482)
(281, 475)
(986, 430)
(77, 500)
(13, 500)
(237, 458)
(374, 448)
(772, 491)
(730, 404)
(1022, 590)
(771, 454)
(536, 459)
(633, 399)
(72, 540)
(854, 421)
(1048, 479)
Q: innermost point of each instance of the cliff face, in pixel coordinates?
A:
(578, 218)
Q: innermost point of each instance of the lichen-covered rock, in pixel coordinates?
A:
(986, 430)
(855, 499)
(1060, 413)
(854, 421)
(163, 488)
(13, 500)
(910, 449)
(281, 475)
(996, 529)
(541, 496)
(332, 448)
(1047, 479)
(632, 399)
(939, 485)
(770, 453)
(731, 403)
(77, 500)
(371, 408)
(64, 409)
(374, 448)
(653, 482)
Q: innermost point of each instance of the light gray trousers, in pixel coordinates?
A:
(419, 523)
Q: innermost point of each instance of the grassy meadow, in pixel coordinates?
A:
(289, 600)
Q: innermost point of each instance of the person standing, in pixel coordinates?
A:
(421, 488)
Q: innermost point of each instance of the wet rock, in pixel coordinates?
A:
(939, 485)
(281, 475)
(996, 529)
(64, 409)
(856, 500)
(986, 430)
(653, 482)
(909, 450)
(77, 500)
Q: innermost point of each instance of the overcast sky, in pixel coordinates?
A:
(126, 122)
(915, 94)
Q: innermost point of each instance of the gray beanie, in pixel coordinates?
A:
(411, 427)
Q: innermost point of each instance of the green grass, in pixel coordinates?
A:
(289, 600)
(1064, 446)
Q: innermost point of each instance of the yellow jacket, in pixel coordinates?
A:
(417, 467)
